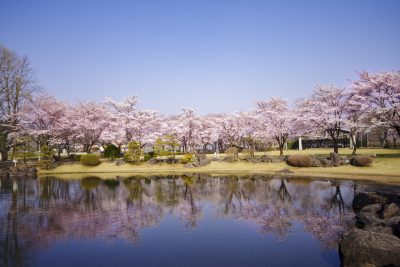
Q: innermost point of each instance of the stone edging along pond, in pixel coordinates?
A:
(375, 239)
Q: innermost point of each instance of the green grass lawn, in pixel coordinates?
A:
(386, 167)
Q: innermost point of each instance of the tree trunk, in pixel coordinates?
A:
(335, 146)
(353, 140)
(4, 155)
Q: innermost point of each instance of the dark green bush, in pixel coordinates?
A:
(74, 157)
(46, 152)
(187, 158)
(133, 153)
(300, 160)
(361, 161)
(112, 152)
(149, 156)
(90, 160)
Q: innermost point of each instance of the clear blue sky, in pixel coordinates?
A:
(216, 56)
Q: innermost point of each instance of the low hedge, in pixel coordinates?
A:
(90, 160)
(361, 161)
(300, 160)
(74, 157)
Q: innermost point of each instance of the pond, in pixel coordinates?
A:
(197, 220)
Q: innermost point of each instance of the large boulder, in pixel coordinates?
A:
(316, 162)
(380, 229)
(373, 208)
(152, 161)
(367, 198)
(368, 219)
(390, 197)
(366, 248)
(266, 158)
(391, 221)
(361, 161)
(396, 230)
(201, 157)
(335, 159)
(390, 211)
(119, 162)
(326, 162)
(189, 165)
(300, 160)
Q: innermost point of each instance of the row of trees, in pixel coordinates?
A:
(369, 103)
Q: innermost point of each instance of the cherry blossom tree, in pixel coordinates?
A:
(123, 116)
(128, 123)
(276, 119)
(40, 116)
(64, 134)
(248, 126)
(355, 119)
(230, 133)
(188, 129)
(379, 97)
(146, 126)
(325, 110)
(211, 133)
(89, 120)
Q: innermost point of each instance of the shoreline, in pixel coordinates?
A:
(373, 173)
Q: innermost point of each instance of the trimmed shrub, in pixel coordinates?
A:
(112, 152)
(361, 161)
(300, 160)
(149, 156)
(232, 153)
(46, 152)
(134, 152)
(187, 158)
(90, 160)
(74, 157)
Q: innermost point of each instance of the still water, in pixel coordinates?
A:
(175, 221)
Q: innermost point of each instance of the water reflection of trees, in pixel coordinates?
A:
(35, 213)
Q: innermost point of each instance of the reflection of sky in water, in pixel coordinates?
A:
(186, 221)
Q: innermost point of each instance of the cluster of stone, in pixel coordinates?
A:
(18, 172)
(201, 160)
(375, 241)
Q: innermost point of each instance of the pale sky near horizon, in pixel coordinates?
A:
(214, 56)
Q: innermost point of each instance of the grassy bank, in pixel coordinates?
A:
(384, 169)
